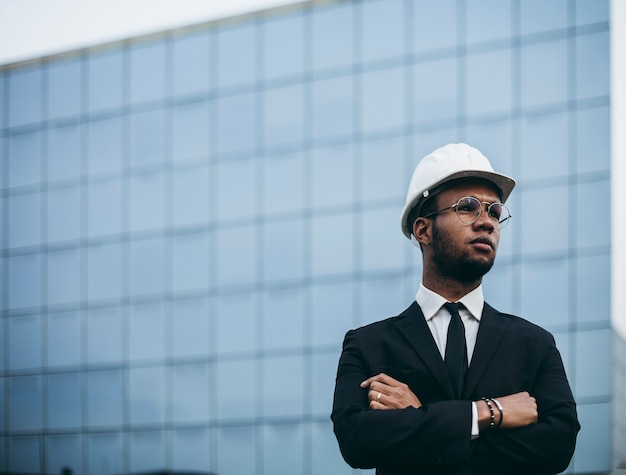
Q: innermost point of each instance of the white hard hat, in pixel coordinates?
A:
(450, 162)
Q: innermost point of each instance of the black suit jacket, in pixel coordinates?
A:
(511, 355)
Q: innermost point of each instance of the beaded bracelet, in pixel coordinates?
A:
(492, 417)
(499, 406)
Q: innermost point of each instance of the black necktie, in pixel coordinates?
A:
(456, 349)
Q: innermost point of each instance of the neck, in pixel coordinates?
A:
(449, 288)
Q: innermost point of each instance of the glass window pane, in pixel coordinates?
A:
(381, 247)
(24, 454)
(191, 195)
(236, 190)
(189, 450)
(64, 339)
(592, 65)
(593, 289)
(593, 364)
(381, 298)
(24, 220)
(489, 81)
(192, 328)
(283, 253)
(435, 91)
(333, 107)
(282, 57)
(545, 290)
(283, 448)
(284, 115)
(147, 201)
(191, 131)
(64, 400)
(588, 195)
(104, 265)
(25, 342)
(332, 310)
(147, 137)
(494, 140)
(24, 281)
(591, 11)
(544, 146)
(538, 15)
(64, 276)
(147, 452)
(25, 96)
(283, 396)
(104, 204)
(237, 449)
(105, 453)
(544, 73)
(25, 403)
(147, 72)
(64, 452)
(236, 323)
(64, 154)
(104, 398)
(332, 176)
(236, 256)
(3, 107)
(283, 319)
(498, 287)
(234, 399)
(382, 99)
(332, 36)
(593, 141)
(553, 225)
(192, 261)
(382, 32)
(147, 266)
(283, 183)
(192, 65)
(488, 20)
(147, 331)
(332, 244)
(236, 124)
(24, 156)
(324, 369)
(104, 335)
(236, 55)
(326, 457)
(104, 141)
(64, 88)
(593, 447)
(104, 72)
(190, 393)
(147, 395)
(382, 175)
(64, 213)
(434, 24)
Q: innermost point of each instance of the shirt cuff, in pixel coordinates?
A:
(475, 431)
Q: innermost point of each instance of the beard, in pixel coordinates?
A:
(456, 264)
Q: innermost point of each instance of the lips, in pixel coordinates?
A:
(483, 241)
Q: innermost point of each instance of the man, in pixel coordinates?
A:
(461, 388)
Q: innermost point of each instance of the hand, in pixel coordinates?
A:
(519, 410)
(386, 392)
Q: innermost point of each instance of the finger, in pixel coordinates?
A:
(370, 380)
(382, 378)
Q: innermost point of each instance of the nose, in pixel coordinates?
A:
(485, 221)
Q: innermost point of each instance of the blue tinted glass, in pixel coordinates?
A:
(147, 72)
(236, 190)
(104, 453)
(236, 55)
(105, 80)
(283, 322)
(64, 213)
(24, 342)
(553, 225)
(493, 139)
(3, 103)
(498, 287)
(24, 156)
(147, 452)
(283, 57)
(146, 331)
(147, 138)
(63, 452)
(332, 36)
(104, 398)
(283, 448)
(64, 339)
(434, 24)
(64, 276)
(24, 220)
(192, 65)
(25, 401)
(435, 90)
(592, 11)
(237, 449)
(487, 20)
(332, 114)
(190, 392)
(104, 264)
(147, 395)
(489, 82)
(104, 335)
(324, 368)
(380, 247)
(192, 261)
(593, 141)
(283, 253)
(593, 447)
(104, 204)
(236, 255)
(191, 195)
(382, 174)
(64, 89)
(593, 289)
(190, 132)
(381, 298)
(147, 266)
(25, 96)
(332, 310)
(593, 363)
(147, 201)
(544, 73)
(539, 15)
(24, 281)
(192, 328)
(236, 124)
(236, 323)
(382, 98)
(283, 183)
(24, 454)
(64, 400)
(326, 457)
(283, 396)
(592, 65)
(545, 291)
(544, 146)
(64, 155)
(284, 115)
(189, 450)
(332, 243)
(233, 399)
(588, 195)
(105, 145)
(332, 176)
(382, 32)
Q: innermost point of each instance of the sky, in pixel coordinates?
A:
(34, 28)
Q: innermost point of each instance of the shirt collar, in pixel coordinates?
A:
(430, 302)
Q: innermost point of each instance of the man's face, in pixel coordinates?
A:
(461, 251)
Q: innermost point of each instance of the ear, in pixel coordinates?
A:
(422, 230)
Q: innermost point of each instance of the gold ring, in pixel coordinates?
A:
(378, 397)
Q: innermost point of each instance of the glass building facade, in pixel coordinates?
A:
(190, 222)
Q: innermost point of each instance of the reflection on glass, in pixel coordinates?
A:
(192, 261)
(147, 325)
(332, 107)
(104, 398)
(25, 91)
(332, 36)
(147, 72)
(147, 201)
(546, 292)
(190, 392)
(283, 183)
(236, 123)
(64, 213)
(332, 244)
(282, 250)
(64, 88)
(191, 131)
(24, 219)
(147, 266)
(24, 157)
(382, 32)
(64, 160)
(544, 146)
(104, 72)
(236, 55)
(104, 139)
(64, 400)
(147, 452)
(64, 451)
(104, 335)
(283, 396)
(147, 138)
(25, 402)
(64, 339)
(283, 448)
(192, 65)
(489, 82)
(283, 58)
(544, 73)
(283, 319)
(284, 116)
(64, 276)
(382, 99)
(24, 281)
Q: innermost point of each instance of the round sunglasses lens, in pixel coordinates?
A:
(468, 209)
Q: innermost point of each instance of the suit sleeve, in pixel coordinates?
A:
(436, 433)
